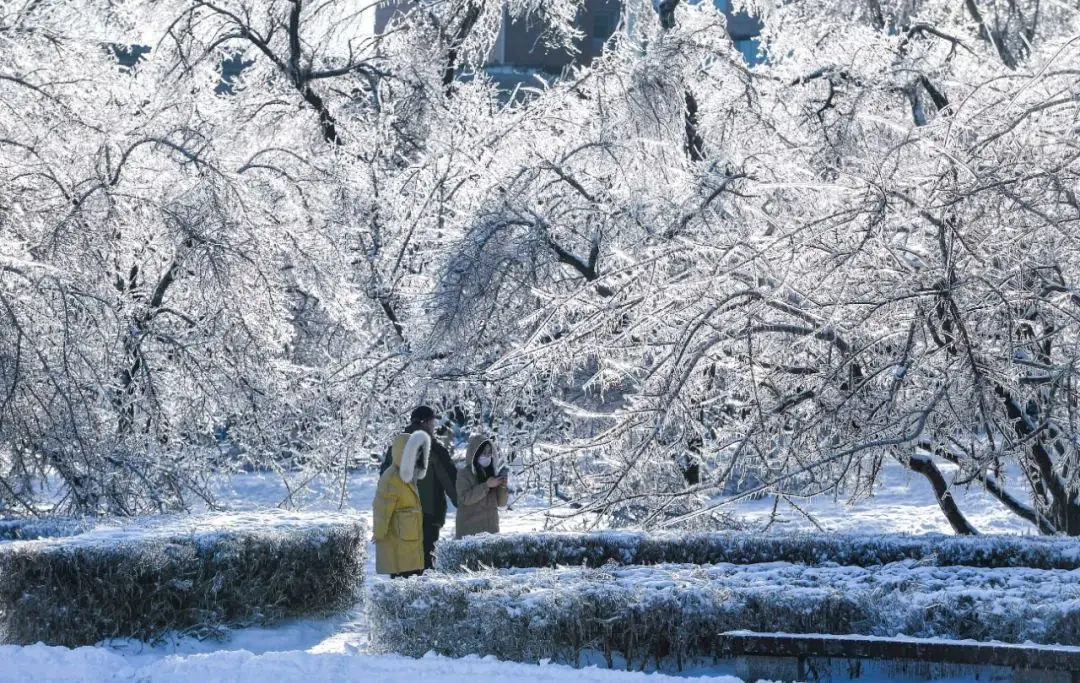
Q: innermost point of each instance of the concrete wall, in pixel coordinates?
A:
(836, 669)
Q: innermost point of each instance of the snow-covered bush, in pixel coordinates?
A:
(671, 613)
(193, 574)
(632, 548)
(43, 527)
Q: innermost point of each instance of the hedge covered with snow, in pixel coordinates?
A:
(670, 614)
(552, 549)
(43, 527)
(190, 573)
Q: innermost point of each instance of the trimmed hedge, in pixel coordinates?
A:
(550, 549)
(669, 615)
(195, 574)
(44, 527)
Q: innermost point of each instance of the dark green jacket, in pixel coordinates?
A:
(440, 482)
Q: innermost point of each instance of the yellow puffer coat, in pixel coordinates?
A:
(398, 520)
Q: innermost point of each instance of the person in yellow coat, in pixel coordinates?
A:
(398, 518)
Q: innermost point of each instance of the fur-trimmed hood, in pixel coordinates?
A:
(406, 449)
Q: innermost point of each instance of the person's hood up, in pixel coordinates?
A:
(405, 455)
(474, 446)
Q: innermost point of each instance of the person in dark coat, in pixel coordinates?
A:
(439, 484)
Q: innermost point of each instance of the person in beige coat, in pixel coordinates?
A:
(398, 519)
(480, 491)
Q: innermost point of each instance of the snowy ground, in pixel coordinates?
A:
(336, 648)
(39, 663)
(903, 502)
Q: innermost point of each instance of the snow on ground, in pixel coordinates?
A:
(46, 664)
(334, 648)
(903, 502)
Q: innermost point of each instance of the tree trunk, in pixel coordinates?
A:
(925, 466)
(468, 22)
(695, 144)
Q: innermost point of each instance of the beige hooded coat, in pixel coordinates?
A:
(478, 505)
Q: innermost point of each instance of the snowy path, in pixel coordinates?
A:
(47, 664)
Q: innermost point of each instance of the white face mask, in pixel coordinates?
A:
(483, 460)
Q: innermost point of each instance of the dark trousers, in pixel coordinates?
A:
(405, 575)
(432, 527)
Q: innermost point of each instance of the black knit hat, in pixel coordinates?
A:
(421, 414)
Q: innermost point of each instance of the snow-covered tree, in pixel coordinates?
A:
(183, 261)
(870, 261)
(663, 277)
